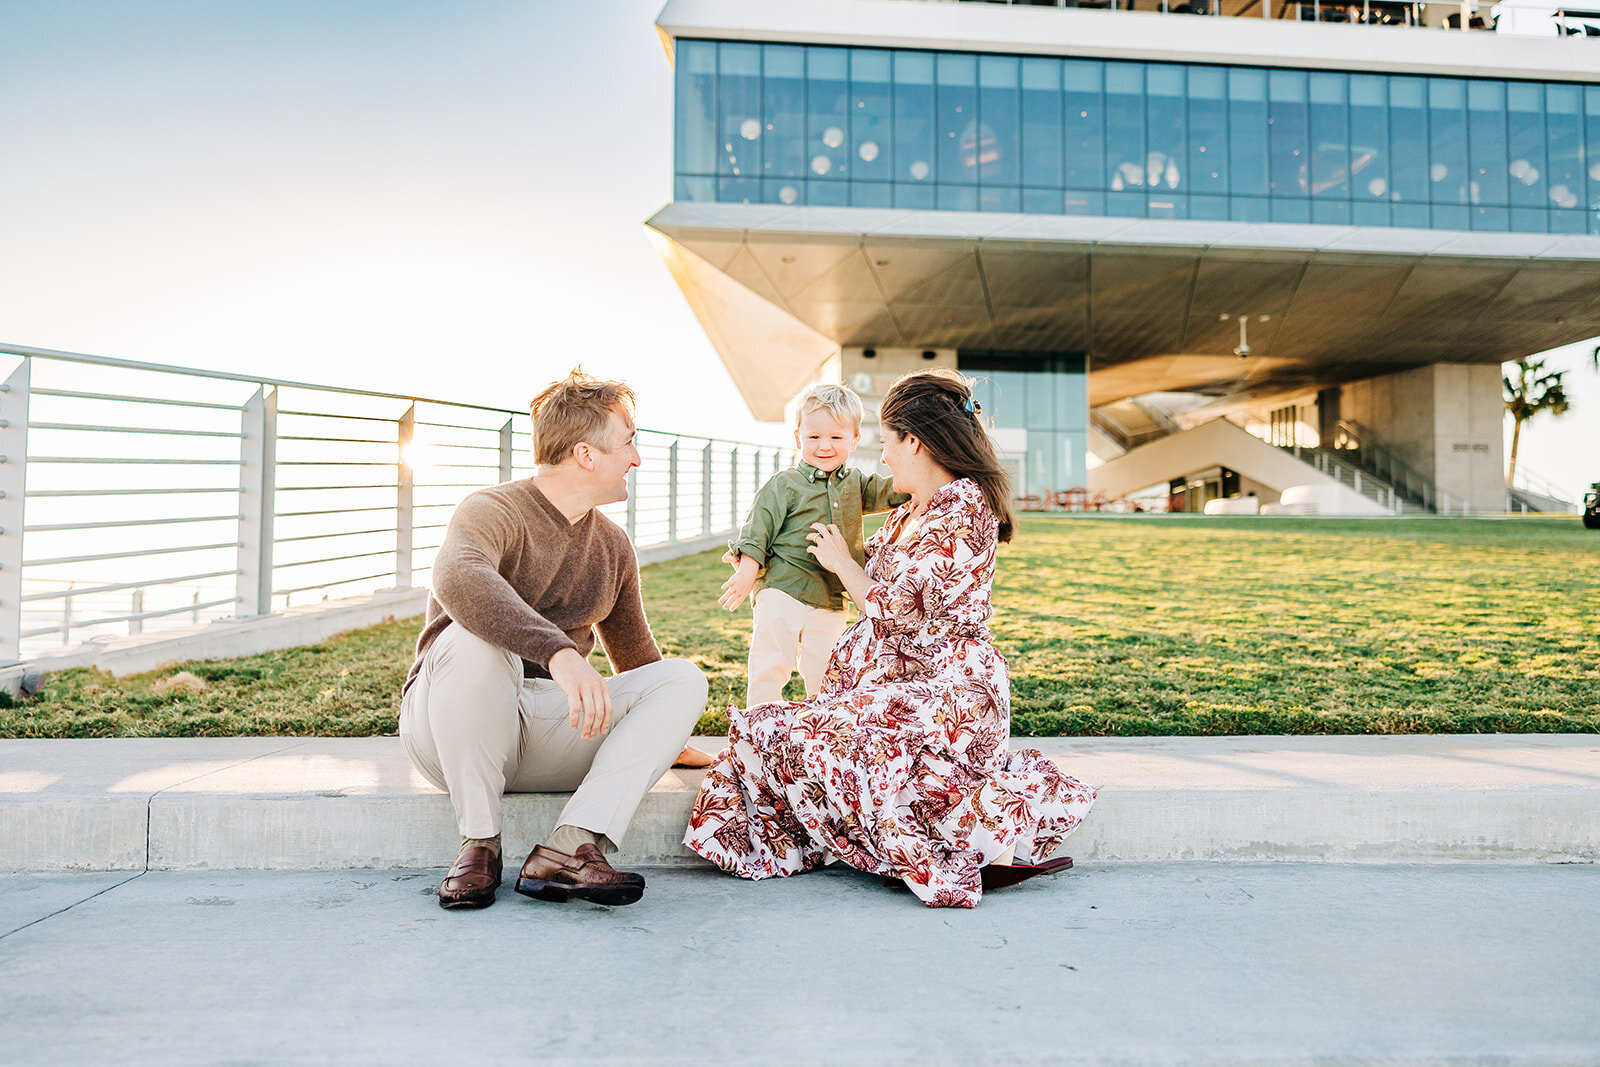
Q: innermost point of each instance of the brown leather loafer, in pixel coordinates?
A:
(472, 880)
(585, 875)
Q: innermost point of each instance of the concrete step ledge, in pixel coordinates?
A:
(335, 803)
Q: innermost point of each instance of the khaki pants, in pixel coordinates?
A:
(477, 729)
(785, 629)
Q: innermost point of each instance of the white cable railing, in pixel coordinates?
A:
(137, 496)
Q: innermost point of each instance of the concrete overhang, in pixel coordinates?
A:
(779, 289)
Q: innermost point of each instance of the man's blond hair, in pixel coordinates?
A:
(576, 410)
(837, 400)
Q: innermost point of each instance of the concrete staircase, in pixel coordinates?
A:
(1221, 443)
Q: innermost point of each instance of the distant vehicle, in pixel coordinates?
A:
(1591, 507)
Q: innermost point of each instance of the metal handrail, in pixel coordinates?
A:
(691, 487)
(225, 376)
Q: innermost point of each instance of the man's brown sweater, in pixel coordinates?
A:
(513, 571)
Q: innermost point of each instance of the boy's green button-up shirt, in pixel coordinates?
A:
(774, 534)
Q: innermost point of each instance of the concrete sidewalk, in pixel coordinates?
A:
(333, 803)
(1173, 963)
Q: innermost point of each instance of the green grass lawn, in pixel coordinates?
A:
(1124, 625)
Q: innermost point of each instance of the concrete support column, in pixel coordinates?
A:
(1445, 422)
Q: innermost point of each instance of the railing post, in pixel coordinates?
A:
(136, 624)
(631, 520)
(258, 462)
(505, 451)
(406, 432)
(733, 488)
(66, 617)
(13, 493)
(672, 492)
(705, 490)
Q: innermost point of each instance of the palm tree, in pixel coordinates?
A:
(1534, 390)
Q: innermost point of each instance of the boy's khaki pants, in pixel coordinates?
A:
(785, 630)
(474, 727)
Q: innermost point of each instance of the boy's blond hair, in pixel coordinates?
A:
(837, 400)
(576, 410)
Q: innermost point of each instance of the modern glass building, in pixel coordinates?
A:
(1079, 206)
(962, 131)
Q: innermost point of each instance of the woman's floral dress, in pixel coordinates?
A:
(899, 766)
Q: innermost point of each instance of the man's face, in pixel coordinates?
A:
(611, 467)
(824, 441)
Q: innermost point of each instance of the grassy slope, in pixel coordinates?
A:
(1116, 625)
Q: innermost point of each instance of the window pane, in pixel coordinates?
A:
(871, 104)
(1564, 133)
(1125, 151)
(913, 118)
(1167, 122)
(827, 115)
(996, 145)
(1591, 111)
(783, 191)
(1331, 161)
(739, 108)
(1247, 132)
(1408, 131)
(1525, 105)
(1486, 143)
(1041, 123)
(1208, 132)
(957, 119)
(1287, 141)
(1369, 147)
(696, 89)
(1084, 111)
(1447, 154)
(783, 111)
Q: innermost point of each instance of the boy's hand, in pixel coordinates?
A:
(736, 588)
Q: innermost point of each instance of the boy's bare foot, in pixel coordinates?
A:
(693, 758)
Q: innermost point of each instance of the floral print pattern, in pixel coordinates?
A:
(899, 765)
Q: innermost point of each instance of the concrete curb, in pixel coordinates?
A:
(335, 803)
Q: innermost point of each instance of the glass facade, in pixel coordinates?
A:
(872, 127)
(1044, 394)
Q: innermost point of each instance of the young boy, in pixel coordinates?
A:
(799, 607)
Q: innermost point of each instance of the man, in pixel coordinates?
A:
(501, 697)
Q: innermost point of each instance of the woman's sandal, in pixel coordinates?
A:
(1001, 875)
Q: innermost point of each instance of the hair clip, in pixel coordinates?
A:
(972, 407)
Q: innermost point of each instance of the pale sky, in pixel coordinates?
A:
(438, 199)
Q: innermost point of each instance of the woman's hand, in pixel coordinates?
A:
(828, 546)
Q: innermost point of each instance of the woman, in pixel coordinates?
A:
(899, 765)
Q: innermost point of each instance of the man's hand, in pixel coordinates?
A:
(736, 588)
(588, 696)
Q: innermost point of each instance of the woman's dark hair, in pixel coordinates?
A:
(935, 407)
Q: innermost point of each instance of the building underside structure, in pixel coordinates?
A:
(1127, 224)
